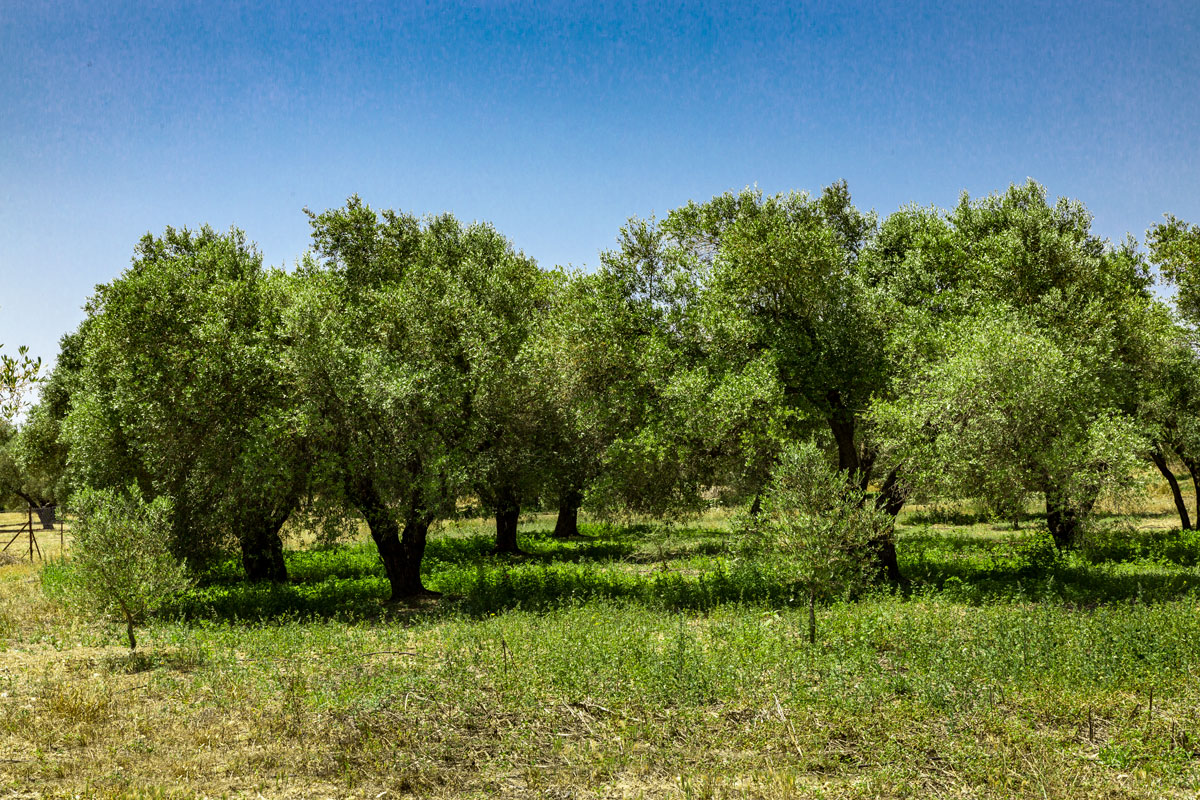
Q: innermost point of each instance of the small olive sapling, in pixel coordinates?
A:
(816, 529)
(121, 565)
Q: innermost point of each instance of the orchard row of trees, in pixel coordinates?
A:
(999, 351)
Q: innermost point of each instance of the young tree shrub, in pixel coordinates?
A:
(817, 526)
(121, 563)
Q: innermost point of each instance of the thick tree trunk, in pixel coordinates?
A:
(1194, 468)
(567, 525)
(412, 545)
(43, 508)
(1160, 461)
(1064, 518)
(843, 436)
(892, 495)
(506, 528)
(891, 498)
(886, 559)
(866, 464)
(401, 558)
(46, 515)
(1063, 522)
(262, 549)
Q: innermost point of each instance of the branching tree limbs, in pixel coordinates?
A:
(408, 347)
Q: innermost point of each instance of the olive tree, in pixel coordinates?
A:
(780, 337)
(1007, 414)
(815, 527)
(178, 386)
(1172, 392)
(404, 334)
(1015, 264)
(1169, 408)
(33, 459)
(21, 482)
(511, 408)
(631, 384)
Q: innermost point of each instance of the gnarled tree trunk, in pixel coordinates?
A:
(401, 557)
(567, 524)
(843, 436)
(42, 507)
(1160, 461)
(507, 517)
(412, 547)
(262, 548)
(46, 515)
(891, 498)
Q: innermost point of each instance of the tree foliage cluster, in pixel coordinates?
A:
(998, 351)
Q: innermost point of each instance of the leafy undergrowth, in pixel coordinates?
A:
(647, 662)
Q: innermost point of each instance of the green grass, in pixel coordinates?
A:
(644, 662)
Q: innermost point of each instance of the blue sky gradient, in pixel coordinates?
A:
(558, 121)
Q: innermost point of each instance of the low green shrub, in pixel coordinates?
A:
(120, 565)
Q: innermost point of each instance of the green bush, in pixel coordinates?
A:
(120, 564)
(817, 529)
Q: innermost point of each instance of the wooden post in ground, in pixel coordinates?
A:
(33, 542)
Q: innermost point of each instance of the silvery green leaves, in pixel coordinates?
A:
(176, 383)
(815, 530)
(1008, 413)
(1175, 249)
(121, 563)
(409, 345)
(18, 374)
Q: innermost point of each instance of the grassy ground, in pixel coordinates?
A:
(648, 661)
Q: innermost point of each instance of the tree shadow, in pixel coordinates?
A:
(186, 659)
(641, 564)
(1155, 569)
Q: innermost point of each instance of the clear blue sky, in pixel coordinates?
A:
(556, 122)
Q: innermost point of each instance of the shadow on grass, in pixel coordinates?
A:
(945, 516)
(1117, 567)
(138, 661)
(361, 560)
(347, 582)
(1084, 587)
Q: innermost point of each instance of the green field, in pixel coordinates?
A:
(645, 661)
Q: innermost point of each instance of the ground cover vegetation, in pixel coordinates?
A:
(782, 499)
